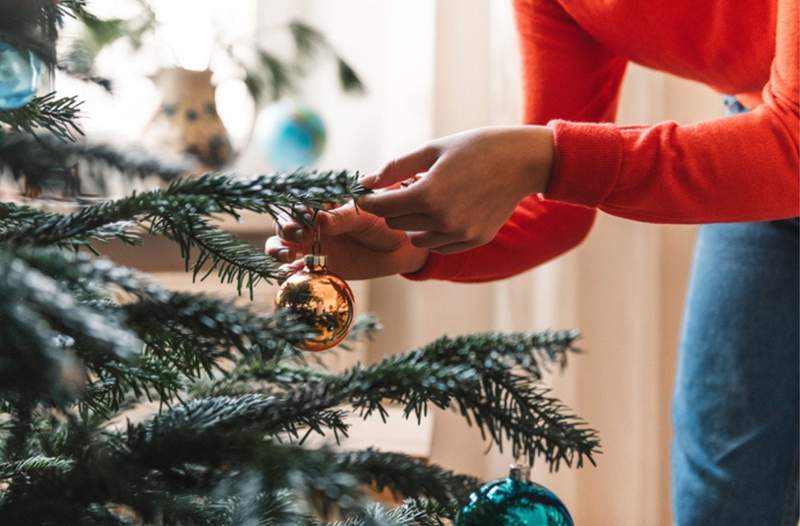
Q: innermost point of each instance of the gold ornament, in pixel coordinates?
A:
(322, 299)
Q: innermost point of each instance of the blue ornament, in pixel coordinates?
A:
(20, 73)
(290, 136)
(514, 501)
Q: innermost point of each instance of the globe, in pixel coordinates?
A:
(20, 73)
(514, 501)
(290, 135)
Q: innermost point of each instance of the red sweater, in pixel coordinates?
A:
(737, 168)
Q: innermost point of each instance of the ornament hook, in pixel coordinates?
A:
(316, 246)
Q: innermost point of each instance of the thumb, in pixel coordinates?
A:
(339, 220)
(401, 168)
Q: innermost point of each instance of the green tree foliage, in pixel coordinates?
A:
(84, 341)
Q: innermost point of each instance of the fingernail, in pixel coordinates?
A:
(295, 234)
(368, 180)
(283, 254)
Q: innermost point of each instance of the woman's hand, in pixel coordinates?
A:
(358, 245)
(468, 185)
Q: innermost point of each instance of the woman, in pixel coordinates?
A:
(493, 202)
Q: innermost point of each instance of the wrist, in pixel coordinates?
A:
(538, 161)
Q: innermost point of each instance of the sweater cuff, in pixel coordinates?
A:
(439, 266)
(586, 164)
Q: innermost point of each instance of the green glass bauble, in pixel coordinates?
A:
(514, 501)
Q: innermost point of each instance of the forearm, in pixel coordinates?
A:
(536, 233)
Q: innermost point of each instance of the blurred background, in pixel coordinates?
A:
(430, 69)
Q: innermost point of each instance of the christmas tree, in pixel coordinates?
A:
(82, 341)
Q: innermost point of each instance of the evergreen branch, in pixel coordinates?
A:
(479, 375)
(241, 464)
(36, 314)
(39, 465)
(205, 195)
(212, 328)
(176, 211)
(365, 327)
(408, 477)
(278, 72)
(241, 507)
(57, 116)
(308, 41)
(186, 338)
(348, 78)
(185, 335)
(234, 260)
(75, 8)
(14, 218)
(44, 158)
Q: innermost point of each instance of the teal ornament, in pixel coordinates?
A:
(290, 136)
(20, 74)
(514, 501)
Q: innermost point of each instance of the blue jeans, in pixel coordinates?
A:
(735, 410)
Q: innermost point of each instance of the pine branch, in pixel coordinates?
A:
(14, 218)
(57, 116)
(278, 75)
(310, 43)
(241, 507)
(40, 321)
(74, 8)
(185, 335)
(178, 211)
(364, 328)
(408, 477)
(38, 464)
(490, 379)
(233, 260)
(348, 78)
(45, 159)
(410, 513)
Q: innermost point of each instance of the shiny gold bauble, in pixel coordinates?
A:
(321, 299)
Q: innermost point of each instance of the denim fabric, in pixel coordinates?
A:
(736, 403)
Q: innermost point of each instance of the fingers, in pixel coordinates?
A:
(439, 242)
(290, 268)
(292, 230)
(453, 248)
(342, 220)
(333, 222)
(411, 223)
(395, 203)
(402, 168)
(431, 240)
(282, 250)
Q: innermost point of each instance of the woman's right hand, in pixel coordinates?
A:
(358, 245)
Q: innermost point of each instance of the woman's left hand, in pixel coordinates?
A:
(467, 185)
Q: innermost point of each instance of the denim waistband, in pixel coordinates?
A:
(733, 106)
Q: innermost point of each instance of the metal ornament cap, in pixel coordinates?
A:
(519, 473)
(316, 262)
